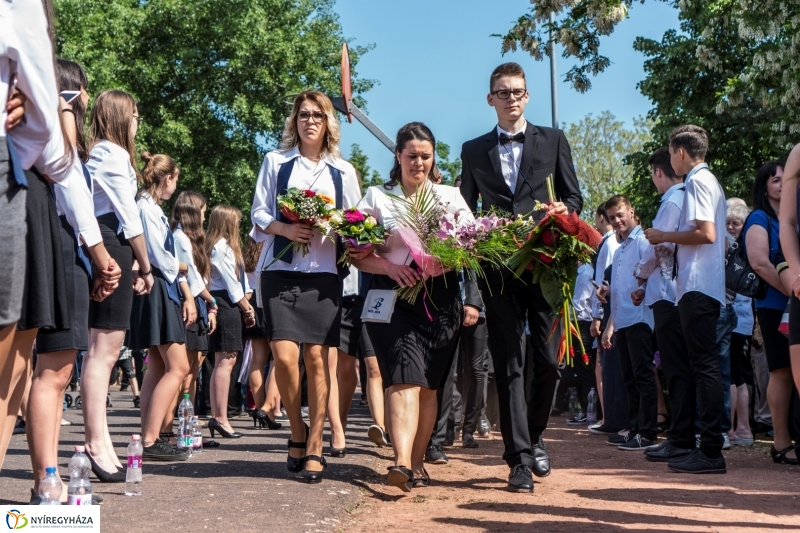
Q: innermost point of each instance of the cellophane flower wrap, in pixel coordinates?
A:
(554, 250)
(357, 229)
(304, 206)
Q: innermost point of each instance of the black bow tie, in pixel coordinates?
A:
(505, 138)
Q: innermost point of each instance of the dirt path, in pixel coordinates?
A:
(593, 487)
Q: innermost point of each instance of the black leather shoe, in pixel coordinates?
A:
(215, 426)
(435, 455)
(520, 479)
(296, 464)
(541, 459)
(468, 441)
(314, 477)
(666, 453)
(698, 463)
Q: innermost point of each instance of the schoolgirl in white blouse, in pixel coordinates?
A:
(301, 295)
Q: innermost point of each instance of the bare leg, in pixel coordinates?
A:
(155, 371)
(50, 378)
(256, 377)
(169, 418)
(734, 400)
(662, 406)
(14, 377)
(779, 393)
(402, 405)
(743, 410)
(286, 355)
(273, 397)
(375, 391)
(315, 357)
(334, 419)
(104, 347)
(220, 385)
(427, 419)
(195, 362)
(173, 367)
(347, 376)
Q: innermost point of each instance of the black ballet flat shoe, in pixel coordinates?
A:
(337, 453)
(400, 477)
(214, 425)
(780, 456)
(314, 477)
(296, 464)
(261, 418)
(210, 444)
(103, 476)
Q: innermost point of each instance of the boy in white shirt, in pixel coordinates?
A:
(700, 288)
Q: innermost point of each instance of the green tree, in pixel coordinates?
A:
(599, 145)
(211, 77)
(369, 177)
(450, 169)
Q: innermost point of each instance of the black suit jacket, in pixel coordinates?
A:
(545, 152)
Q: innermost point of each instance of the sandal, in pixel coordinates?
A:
(422, 481)
(780, 456)
(400, 477)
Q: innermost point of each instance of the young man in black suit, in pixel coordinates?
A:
(507, 168)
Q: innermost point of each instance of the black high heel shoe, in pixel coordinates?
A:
(315, 477)
(214, 425)
(102, 475)
(296, 464)
(337, 452)
(780, 456)
(260, 417)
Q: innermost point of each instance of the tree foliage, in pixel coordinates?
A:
(211, 77)
(450, 169)
(599, 146)
(359, 160)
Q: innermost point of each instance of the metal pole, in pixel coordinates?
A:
(553, 75)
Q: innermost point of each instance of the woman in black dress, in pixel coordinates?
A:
(416, 348)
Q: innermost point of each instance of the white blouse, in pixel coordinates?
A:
(156, 227)
(74, 201)
(305, 175)
(115, 186)
(224, 272)
(25, 50)
(384, 208)
(184, 251)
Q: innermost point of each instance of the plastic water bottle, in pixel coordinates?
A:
(50, 487)
(591, 407)
(574, 405)
(79, 491)
(197, 435)
(185, 429)
(133, 476)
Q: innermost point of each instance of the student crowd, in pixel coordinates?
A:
(93, 264)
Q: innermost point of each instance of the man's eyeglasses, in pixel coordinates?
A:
(505, 94)
(138, 119)
(305, 116)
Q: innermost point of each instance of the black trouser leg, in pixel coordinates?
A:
(444, 403)
(636, 360)
(699, 314)
(678, 375)
(545, 361)
(614, 396)
(472, 352)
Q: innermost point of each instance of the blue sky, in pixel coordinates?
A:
(433, 58)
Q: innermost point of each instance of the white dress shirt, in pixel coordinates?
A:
(701, 268)
(667, 219)
(185, 254)
(604, 258)
(74, 201)
(581, 298)
(114, 184)
(385, 209)
(225, 272)
(350, 284)
(510, 158)
(623, 283)
(156, 227)
(306, 174)
(25, 50)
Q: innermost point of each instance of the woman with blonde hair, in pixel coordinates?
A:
(301, 294)
(229, 287)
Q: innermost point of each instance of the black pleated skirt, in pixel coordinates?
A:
(351, 325)
(414, 348)
(228, 336)
(196, 337)
(301, 307)
(114, 313)
(44, 301)
(78, 291)
(155, 319)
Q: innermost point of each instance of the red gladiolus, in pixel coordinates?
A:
(544, 258)
(585, 358)
(309, 193)
(549, 237)
(290, 215)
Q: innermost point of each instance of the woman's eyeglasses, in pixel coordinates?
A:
(305, 116)
(505, 94)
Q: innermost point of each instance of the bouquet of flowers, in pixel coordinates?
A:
(357, 229)
(305, 207)
(554, 250)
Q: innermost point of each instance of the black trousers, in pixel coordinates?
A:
(524, 389)
(615, 398)
(444, 404)
(699, 314)
(677, 368)
(635, 345)
(471, 374)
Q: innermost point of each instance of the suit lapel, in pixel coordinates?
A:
(493, 148)
(528, 151)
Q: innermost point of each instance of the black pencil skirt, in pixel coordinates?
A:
(228, 336)
(417, 347)
(352, 327)
(114, 313)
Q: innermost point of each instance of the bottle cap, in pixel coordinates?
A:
(80, 449)
(50, 470)
(185, 396)
(136, 437)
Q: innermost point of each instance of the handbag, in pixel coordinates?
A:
(739, 275)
